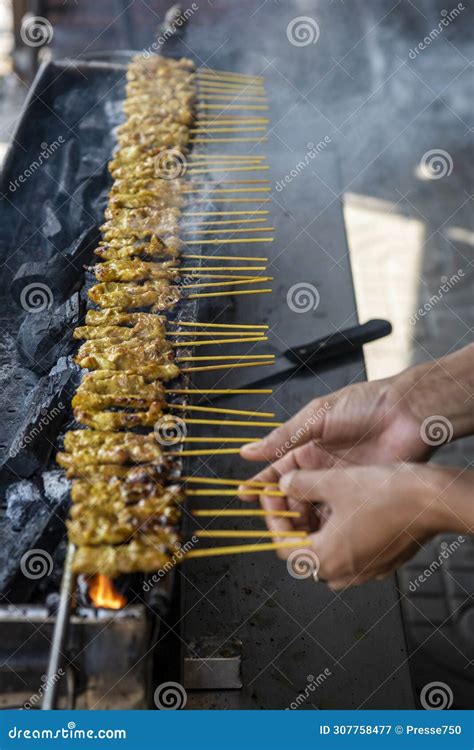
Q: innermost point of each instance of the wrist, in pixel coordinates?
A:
(440, 388)
(445, 500)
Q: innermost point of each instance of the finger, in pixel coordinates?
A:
(322, 485)
(306, 425)
(273, 523)
(309, 456)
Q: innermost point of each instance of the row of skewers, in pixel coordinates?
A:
(126, 495)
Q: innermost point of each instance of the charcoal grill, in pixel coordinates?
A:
(52, 216)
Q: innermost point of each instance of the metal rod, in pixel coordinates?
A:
(56, 653)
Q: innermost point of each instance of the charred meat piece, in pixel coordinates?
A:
(135, 557)
(158, 295)
(91, 447)
(135, 270)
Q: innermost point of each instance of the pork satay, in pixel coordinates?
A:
(126, 247)
(96, 447)
(115, 317)
(142, 331)
(144, 361)
(158, 295)
(108, 383)
(97, 419)
(135, 270)
(136, 557)
(139, 484)
(118, 528)
(133, 475)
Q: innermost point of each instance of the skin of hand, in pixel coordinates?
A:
(379, 422)
(367, 520)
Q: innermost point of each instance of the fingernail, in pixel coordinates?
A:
(252, 447)
(286, 480)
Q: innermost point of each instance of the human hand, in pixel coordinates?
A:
(372, 518)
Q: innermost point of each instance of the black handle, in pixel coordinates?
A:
(341, 342)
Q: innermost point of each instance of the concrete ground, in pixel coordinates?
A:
(386, 104)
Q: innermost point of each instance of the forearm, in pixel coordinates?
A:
(448, 502)
(442, 387)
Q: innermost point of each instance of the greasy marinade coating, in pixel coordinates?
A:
(138, 556)
(116, 528)
(117, 501)
(135, 270)
(127, 490)
(118, 249)
(108, 388)
(107, 519)
(120, 420)
(158, 295)
(142, 330)
(158, 474)
(95, 447)
(150, 370)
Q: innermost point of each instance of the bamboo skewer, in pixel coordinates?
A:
(220, 191)
(233, 423)
(221, 480)
(231, 493)
(221, 223)
(247, 168)
(210, 342)
(215, 512)
(249, 280)
(217, 325)
(240, 549)
(230, 231)
(226, 257)
(228, 366)
(205, 269)
(259, 139)
(216, 452)
(229, 241)
(252, 212)
(219, 440)
(221, 391)
(225, 356)
(214, 409)
(237, 534)
(210, 333)
(222, 294)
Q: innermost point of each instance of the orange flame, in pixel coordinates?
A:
(104, 594)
